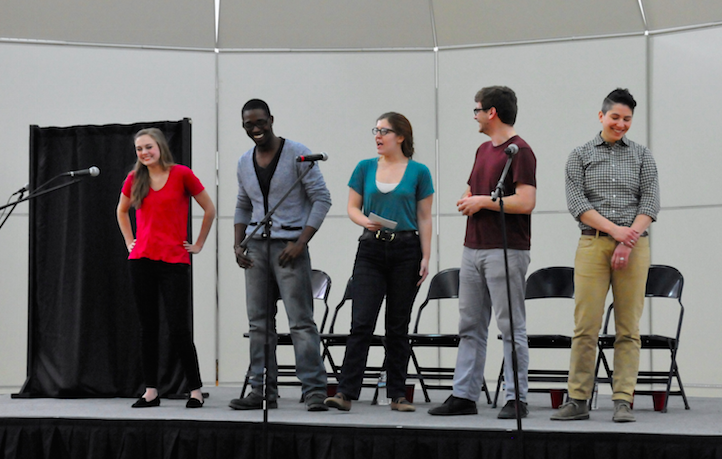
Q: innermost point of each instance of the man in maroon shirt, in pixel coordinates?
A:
(482, 280)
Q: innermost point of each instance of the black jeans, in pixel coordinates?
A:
(155, 282)
(390, 269)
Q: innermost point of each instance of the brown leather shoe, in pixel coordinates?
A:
(401, 404)
(339, 401)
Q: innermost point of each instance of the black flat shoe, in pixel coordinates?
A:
(194, 403)
(143, 403)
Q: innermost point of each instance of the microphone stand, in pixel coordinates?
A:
(32, 196)
(266, 224)
(498, 194)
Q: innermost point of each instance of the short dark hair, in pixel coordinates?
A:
(619, 96)
(502, 98)
(255, 104)
(401, 126)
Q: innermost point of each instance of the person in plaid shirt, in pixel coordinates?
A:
(613, 192)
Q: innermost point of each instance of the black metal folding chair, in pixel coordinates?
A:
(444, 285)
(554, 282)
(662, 282)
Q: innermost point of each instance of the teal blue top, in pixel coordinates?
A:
(399, 204)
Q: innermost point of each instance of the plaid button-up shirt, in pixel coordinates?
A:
(619, 181)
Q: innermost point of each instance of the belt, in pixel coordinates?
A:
(388, 236)
(593, 232)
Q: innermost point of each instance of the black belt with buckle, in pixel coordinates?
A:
(593, 232)
(388, 236)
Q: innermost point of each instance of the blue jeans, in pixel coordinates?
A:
(294, 284)
(389, 269)
(482, 288)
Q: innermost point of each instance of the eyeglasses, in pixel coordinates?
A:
(382, 131)
(260, 124)
(477, 110)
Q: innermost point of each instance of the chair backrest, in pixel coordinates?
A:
(347, 295)
(553, 282)
(321, 285)
(662, 282)
(444, 285)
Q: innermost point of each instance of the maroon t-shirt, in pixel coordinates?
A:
(483, 229)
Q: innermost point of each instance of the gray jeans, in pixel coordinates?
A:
(294, 285)
(482, 288)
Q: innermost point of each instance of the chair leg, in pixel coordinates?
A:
(498, 384)
(420, 376)
(246, 381)
(485, 390)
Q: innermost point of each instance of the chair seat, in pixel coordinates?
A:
(434, 340)
(337, 339)
(547, 341)
(648, 342)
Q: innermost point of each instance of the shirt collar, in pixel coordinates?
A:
(599, 141)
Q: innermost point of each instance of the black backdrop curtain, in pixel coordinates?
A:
(83, 330)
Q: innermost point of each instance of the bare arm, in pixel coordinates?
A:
(522, 202)
(355, 202)
(209, 214)
(424, 222)
(124, 222)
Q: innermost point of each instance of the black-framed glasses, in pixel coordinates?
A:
(259, 123)
(382, 131)
(477, 110)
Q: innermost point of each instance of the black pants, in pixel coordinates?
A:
(390, 270)
(156, 282)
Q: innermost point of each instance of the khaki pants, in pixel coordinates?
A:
(592, 277)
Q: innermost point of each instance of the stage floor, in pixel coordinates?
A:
(703, 419)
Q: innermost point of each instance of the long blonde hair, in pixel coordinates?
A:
(141, 177)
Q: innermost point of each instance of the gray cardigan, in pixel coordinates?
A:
(306, 205)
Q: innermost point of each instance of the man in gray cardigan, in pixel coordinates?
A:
(265, 173)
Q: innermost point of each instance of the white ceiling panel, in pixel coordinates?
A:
(325, 24)
(669, 14)
(168, 23)
(463, 22)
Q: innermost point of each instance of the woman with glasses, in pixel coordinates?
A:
(159, 260)
(390, 197)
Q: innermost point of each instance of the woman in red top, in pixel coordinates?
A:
(159, 265)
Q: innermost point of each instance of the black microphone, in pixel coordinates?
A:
(511, 150)
(92, 171)
(323, 156)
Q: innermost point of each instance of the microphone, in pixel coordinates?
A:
(511, 150)
(22, 190)
(323, 156)
(92, 171)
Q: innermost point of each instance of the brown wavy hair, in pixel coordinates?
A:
(141, 177)
(401, 126)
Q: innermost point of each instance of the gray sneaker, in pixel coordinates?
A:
(314, 402)
(573, 410)
(252, 401)
(622, 411)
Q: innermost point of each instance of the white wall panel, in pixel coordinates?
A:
(559, 87)
(65, 86)
(686, 92)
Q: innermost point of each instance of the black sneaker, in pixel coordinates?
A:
(509, 410)
(454, 406)
(252, 401)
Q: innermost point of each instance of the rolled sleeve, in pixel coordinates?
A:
(577, 202)
(649, 202)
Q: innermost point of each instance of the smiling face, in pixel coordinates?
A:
(391, 142)
(258, 126)
(147, 150)
(616, 122)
